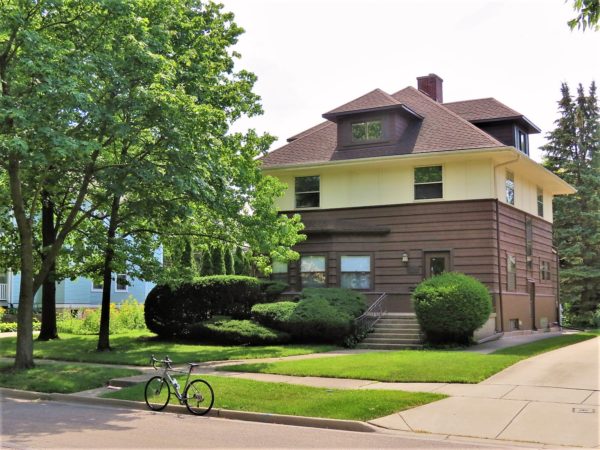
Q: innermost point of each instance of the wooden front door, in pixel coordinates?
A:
(436, 263)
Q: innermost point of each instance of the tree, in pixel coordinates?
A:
(229, 262)
(588, 13)
(573, 153)
(218, 260)
(122, 95)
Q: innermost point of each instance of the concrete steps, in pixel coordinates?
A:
(394, 332)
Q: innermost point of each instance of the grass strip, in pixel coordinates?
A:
(433, 366)
(135, 348)
(61, 378)
(282, 398)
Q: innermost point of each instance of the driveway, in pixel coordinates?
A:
(551, 398)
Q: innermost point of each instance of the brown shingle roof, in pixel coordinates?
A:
(439, 130)
(372, 100)
(482, 109)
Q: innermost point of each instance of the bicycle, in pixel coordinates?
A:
(198, 395)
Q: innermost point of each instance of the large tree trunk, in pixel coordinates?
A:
(24, 354)
(109, 253)
(48, 330)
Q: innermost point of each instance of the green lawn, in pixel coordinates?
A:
(414, 365)
(62, 378)
(281, 398)
(135, 348)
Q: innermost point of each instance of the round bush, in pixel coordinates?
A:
(450, 307)
(275, 315)
(238, 332)
(170, 311)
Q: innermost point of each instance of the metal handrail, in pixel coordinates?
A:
(371, 316)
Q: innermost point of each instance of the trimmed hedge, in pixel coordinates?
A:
(272, 289)
(274, 315)
(238, 332)
(346, 300)
(450, 307)
(170, 311)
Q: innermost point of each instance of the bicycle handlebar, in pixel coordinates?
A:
(165, 361)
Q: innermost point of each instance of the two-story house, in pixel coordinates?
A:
(393, 188)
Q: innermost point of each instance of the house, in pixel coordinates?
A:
(393, 188)
(78, 293)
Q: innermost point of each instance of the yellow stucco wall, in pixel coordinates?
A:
(466, 176)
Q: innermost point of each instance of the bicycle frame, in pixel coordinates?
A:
(167, 376)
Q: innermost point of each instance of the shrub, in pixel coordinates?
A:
(315, 319)
(450, 307)
(6, 327)
(238, 332)
(275, 315)
(350, 302)
(170, 311)
(129, 315)
(272, 289)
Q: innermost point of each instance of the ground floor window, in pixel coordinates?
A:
(511, 272)
(514, 324)
(97, 286)
(356, 272)
(312, 271)
(121, 283)
(280, 271)
(545, 271)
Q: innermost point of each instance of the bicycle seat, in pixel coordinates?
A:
(193, 364)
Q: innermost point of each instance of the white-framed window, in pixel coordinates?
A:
(367, 131)
(529, 242)
(121, 284)
(540, 202)
(429, 182)
(97, 286)
(510, 188)
(280, 271)
(545, 271)
(355, 271)
(312, 271)
(308, 191)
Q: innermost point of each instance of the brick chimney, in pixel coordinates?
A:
(431, 85)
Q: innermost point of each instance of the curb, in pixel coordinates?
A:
(281, 419)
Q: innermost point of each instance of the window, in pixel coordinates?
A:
(511, 272)
(312, 271)
(522, 141)
(510, 188)
(307, 192)
(367, 131)
(545, 271)
(529, 242)
(540, 202)
(356, 272)
(280, 271)
(97, 286)
(121, 283)
(514, 324)
(428, 182)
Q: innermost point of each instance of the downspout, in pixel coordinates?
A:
(501, 304)
(558, 314)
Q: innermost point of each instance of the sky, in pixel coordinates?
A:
(311, 56)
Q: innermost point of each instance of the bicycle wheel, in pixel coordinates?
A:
(199, 397)
(157, 393)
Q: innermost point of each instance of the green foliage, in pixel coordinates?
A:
(170, 311)
(275, 315)
(128, 316)
(229, 262)
(273, 289)
(587, 319)
(573, 153)
(207, 267)
(241, 262)
(239, 332)
(218, 260)
(451, 306)
(346, 300)
(588, 13)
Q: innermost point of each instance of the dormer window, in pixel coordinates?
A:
(522, 141)
(367, 131)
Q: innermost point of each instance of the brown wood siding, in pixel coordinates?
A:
(512, 242)
(503, 131)
(467, 229)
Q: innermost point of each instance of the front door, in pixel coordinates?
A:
(436, 263)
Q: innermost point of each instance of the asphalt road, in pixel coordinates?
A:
(40, 424)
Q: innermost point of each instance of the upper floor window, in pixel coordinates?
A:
(121, 283)
(280, 271)
(545, 270)
(510, 188)
(511, 273)
(540, 202)
(367, 131)
(428, 182)
(312, 271)
(522, 141)
(356, 272)
(308, 192)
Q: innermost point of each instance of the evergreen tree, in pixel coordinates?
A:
(573, 153)
(207, 267)
(218, 260)
(241, 264)
(229, 263)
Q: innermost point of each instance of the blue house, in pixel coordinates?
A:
(78, 293)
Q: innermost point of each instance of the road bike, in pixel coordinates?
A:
(198, 395)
